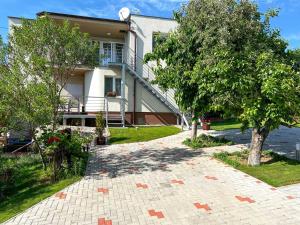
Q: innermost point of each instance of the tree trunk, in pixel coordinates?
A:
(40, 153)
(194, 127)
(258, 139)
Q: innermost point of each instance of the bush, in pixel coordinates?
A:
(204, 141)
(65, 151)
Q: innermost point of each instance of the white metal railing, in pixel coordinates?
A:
(145, 72)
(82, 104)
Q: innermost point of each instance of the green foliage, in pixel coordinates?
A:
(65, 151)
(31, 188)
(100, 124)
(42, 55)
(205, 141)
(225, 56)
(276, 170)
(10, 168)
(140, 134)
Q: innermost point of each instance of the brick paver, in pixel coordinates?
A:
(163, 182)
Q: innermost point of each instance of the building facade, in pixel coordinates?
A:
(120, 86)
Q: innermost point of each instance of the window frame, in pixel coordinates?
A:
(114, 85)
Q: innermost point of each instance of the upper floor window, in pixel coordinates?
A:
(158, 38)
(112, 53)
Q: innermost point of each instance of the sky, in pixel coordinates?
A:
(288, 21)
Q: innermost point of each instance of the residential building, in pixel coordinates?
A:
(120, 86)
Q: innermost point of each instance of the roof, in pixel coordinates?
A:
(19, 18)
(43, 13)
(153, 17)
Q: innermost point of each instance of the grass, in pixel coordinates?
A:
(226, 125)
(275, 170)
(204, 141)
(140, 134)
(32, 185)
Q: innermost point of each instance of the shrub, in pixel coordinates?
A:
(65, 151)
(204, 141)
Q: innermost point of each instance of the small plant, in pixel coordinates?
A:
(100, 127)
(204, 141)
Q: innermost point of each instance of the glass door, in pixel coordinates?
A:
(107, 53)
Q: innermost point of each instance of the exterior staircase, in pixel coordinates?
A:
(144, 74)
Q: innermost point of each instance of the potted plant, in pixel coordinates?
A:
(206, 124)
(111, 94)
(100, 126)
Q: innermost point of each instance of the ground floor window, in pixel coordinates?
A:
(112, 86)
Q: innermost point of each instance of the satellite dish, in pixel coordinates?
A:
(124, 14)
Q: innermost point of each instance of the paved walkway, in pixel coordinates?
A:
(282, 141)
(163, 182)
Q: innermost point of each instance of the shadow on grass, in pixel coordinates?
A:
(116, 140)
(137, 162)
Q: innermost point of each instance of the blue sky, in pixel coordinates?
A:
(288, 21)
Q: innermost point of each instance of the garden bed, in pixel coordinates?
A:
(206, 141)
(275, 170)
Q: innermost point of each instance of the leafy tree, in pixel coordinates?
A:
(40, 58)
(48, 52)
(225, 56)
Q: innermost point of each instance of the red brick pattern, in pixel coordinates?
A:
(245, 199)
(103, 190)
(258, 182)
(202, 206)
(143, 186)
(273, 189)
(177, 182)
(158, 214)
(290, 197)
(211, 178)
(61, 195)
(103, 221)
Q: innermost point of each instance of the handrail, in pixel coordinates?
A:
(144, 71)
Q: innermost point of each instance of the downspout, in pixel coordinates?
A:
(134, 85)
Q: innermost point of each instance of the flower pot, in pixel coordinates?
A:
(100, 140)
(111, 94)
(205, 126)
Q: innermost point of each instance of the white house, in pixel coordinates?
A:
(120, 86)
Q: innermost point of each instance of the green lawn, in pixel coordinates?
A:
(226, 125)
(140, 134)
(31, 187)
(276, 170)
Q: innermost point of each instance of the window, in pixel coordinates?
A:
(108, 85)
(118, 86)
(112, 86)
(158, 38)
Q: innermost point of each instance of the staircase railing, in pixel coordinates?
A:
(144, 71)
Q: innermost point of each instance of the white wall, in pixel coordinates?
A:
(94, 87)
(145, 27)
(12, 21)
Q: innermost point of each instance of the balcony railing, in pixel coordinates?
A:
(83, 104)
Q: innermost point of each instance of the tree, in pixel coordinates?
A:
(40, 58)
(236, 63)
(48, 52)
